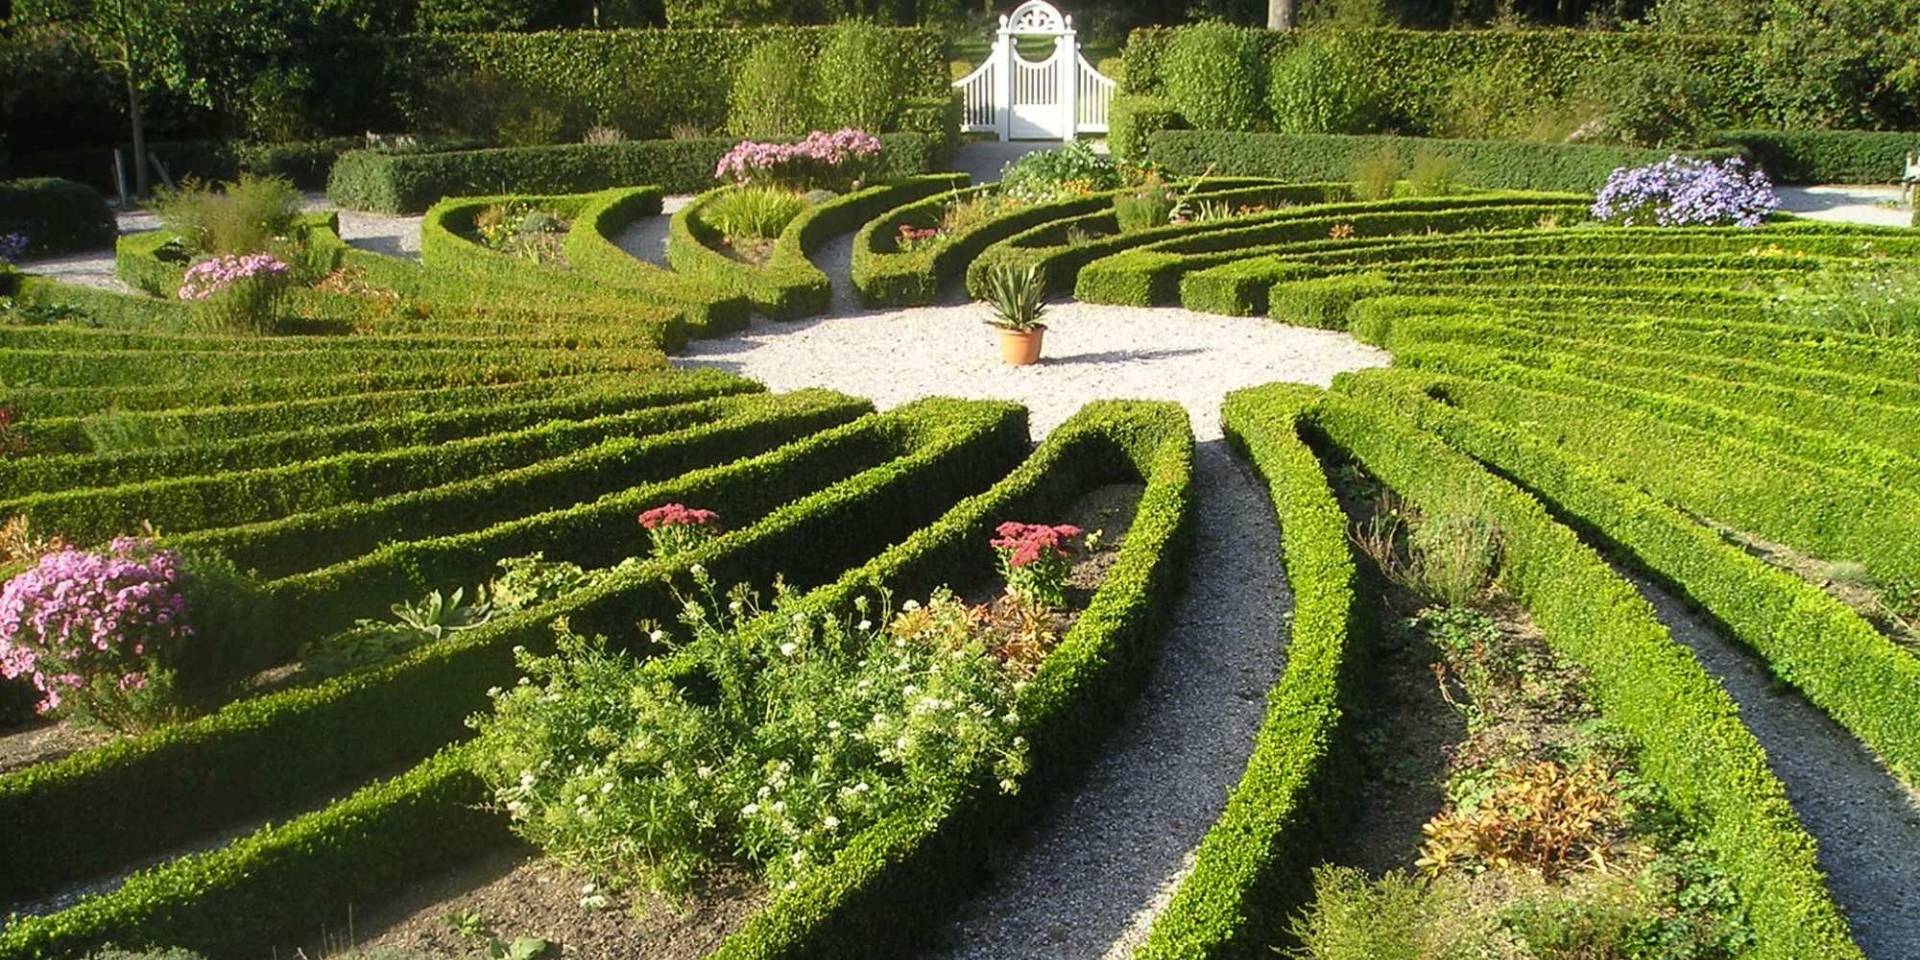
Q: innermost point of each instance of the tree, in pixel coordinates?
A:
(1280, 14)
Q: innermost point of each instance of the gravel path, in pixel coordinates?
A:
(1105, 859)
(1847, 204)
(1866, 823)
(1092, 352)
(646, 238)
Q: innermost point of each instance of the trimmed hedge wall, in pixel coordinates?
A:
(1251, 872)
(1826, 156)
(57, 216)
(788, 286)
(1689, 733)
(384, 182)
(1425, 64)
(1836, 659)
(1495, 164)
(886, 890)
(70, 814)
(305, 162)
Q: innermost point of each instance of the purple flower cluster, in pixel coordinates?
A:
(79, 616)
(818, 157)
(209, 277)
(13, 247)
(1682, 191)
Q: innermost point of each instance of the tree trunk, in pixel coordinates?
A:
(1279, 14)
(140, 181)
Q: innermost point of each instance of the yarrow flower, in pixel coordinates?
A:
(92, 624)
(1035, 561)
(1682, 191)
(210, 277)
(13, 247)
(676, 528)
(816, 159)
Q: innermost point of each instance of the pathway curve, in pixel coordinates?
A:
(1866, 823)
(1871, 205)
(1106, 858)
(646, 238)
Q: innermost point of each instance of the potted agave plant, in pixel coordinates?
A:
(1017, 297)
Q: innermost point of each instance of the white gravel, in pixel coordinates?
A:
(1105, 860)
(1848, 204)
(646, 238)
(1867, 824)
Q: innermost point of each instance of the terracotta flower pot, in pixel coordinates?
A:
(1021, 347)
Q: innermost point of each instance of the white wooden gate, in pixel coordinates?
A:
(1017, 99)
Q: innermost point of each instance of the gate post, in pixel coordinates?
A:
(1003, 54)
(1066, 59)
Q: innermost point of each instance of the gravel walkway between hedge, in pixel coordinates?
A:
(1102, 862)
(1092, 352)
(1867, 823)
(646, 238)
(1105, 859)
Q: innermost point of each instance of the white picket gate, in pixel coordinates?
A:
(1054, 99)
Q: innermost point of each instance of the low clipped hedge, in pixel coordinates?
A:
(593, 262)
(1495, 164)
(884, 891)
(1252, 871)
(1826, 156)
(888, 276)
(1691, 741)
(70, 816)
(305, 162)
(57, 216)
(1134, 118)
(389, 182)
(788, 286)
(1834, 657)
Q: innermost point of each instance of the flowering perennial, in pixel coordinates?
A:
(89, 625)
(210, 277)
(817, 160)
(913, 238)
(1682, 191)
(1035, 560)
(13, 247)
(676, 528)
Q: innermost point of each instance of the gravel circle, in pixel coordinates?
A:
(1106, 859)
(1867, 823)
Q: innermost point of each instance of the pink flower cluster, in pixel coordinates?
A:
(677, 515)
(79, 616)
(817, 159)
(209, 277)
(1029, 543)
(912, 237)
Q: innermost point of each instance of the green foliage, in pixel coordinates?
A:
(774, 97)
(167, 953)
(754, 213)
(1825, 156)
(857, 79)
(1435, 175)
(389, 182)
(461, 16)
(1213, 74)
(1307, 157)
(1657, 104)
(1145, 207)
(1017, 297)
(1401, 917)
(242, 217)
(58, 216)
(1882, 300)
(1376, 175)
(1322, 85)
(1045, 175)
(1132, 120)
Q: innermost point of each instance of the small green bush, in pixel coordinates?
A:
(774, 97)
(1049, 174)
(857, 78)
(754, 212)
(1435, 175)
(1323, 86)
(1213, 74)
(1376, 174)
(241, 217)
(1144, 208)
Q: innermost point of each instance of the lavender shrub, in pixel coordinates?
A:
(1684, 191)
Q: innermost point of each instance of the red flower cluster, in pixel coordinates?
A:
(912, 237)
(677, 515)
(1027, 543)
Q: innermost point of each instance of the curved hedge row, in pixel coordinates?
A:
(1251, 871)
(72, 821)
(884, 890)
(788, 286)
(1689, 734)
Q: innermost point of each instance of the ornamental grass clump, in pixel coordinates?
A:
(235, 293)
(1035, 561)
(769, 739)
(820, 161)
(1683, 191)
(676, 528)
(95, 631)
